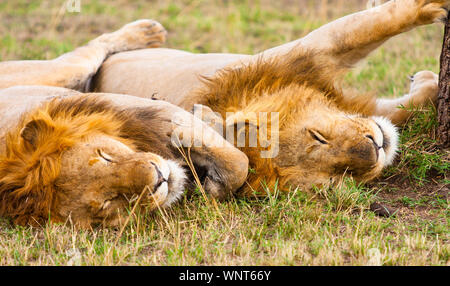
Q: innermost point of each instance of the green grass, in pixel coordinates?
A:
(322, 227)
(283, 229)
(419, 154)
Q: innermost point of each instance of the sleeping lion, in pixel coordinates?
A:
(83, 157)
(86, 157)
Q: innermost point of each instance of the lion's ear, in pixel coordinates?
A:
(30, 133)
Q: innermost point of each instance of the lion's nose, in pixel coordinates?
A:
(375, 145)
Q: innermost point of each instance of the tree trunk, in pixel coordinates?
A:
(443, 130)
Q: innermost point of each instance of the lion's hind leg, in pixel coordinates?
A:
(354, 37)
(74, 69)
(349, 39)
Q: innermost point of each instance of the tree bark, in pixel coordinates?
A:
(443, 108)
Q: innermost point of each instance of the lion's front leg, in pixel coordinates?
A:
(74, 69)
(349, 39)
(424, 90)
(221, 167)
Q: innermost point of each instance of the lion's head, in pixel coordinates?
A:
(84, 159)
(318, 140)
(321, 143)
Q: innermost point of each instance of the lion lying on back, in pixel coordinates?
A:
(321, 132)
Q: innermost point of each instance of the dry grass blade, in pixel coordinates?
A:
(188, 159)
(126, 222)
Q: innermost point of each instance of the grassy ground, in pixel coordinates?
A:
(327, 227)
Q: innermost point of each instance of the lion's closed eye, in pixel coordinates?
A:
(105, 156)
(316, 135)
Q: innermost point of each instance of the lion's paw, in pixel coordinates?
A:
(208, 116)
(139, 34)
(144, 33)
(424, 87)
(216, 189)
(432, 11)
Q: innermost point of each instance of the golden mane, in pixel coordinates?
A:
(28, 171)
(235, 89)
